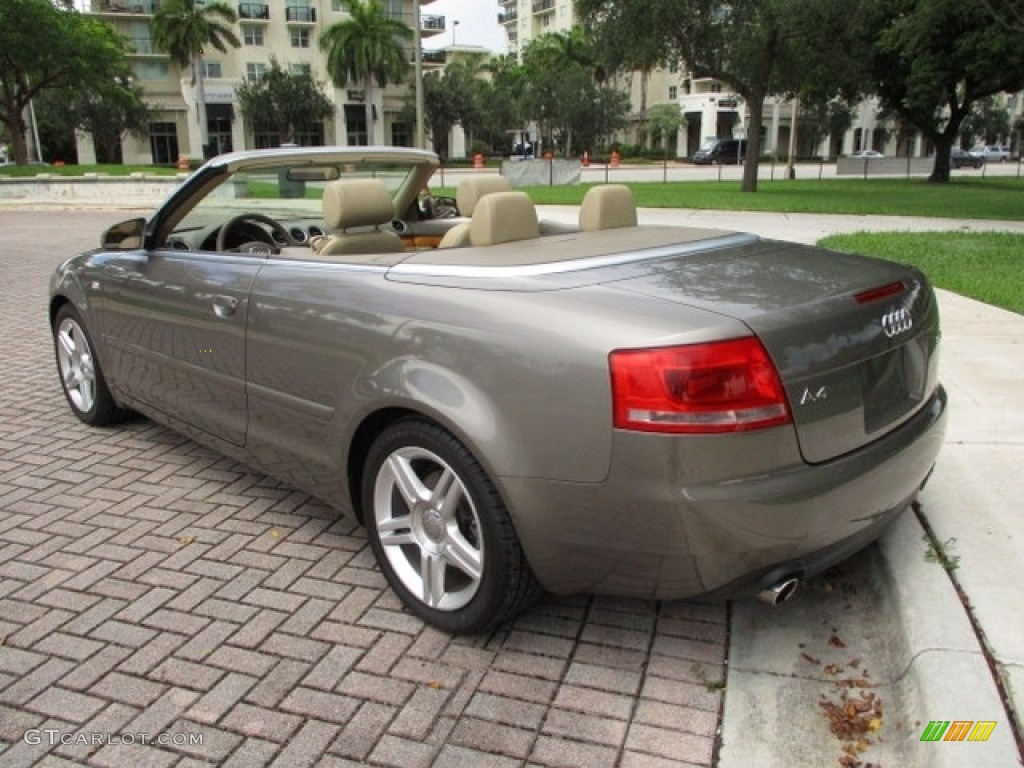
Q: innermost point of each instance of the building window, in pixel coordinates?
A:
(312, 136)
(265, 137)
(300, 37)
(212, 69)
(339, 6)
(218, 125)
(252, 35)
(401, 135)
(355, 125)
(673, 66)
(254, 70)
(152, 70)
(673, 92)
(716, 87)
(300, 69)
(163, 143)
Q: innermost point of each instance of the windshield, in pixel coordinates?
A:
(285, 192)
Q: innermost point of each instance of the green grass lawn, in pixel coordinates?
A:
(987, 266)
(20, 171)
(991, 198)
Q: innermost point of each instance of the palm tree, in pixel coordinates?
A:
(366, 48)
(183, 29)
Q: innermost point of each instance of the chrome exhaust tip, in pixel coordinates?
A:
(779, 592)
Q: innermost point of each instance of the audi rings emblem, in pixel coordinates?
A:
(896, 322)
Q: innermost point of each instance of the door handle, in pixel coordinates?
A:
(225, 306)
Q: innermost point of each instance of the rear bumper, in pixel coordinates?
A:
(678, 518)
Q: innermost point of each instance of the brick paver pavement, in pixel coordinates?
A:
(152, 590)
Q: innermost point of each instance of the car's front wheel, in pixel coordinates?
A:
(440, 531)
(80, 374)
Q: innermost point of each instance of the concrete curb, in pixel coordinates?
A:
(947, 675)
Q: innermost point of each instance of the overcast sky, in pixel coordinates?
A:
(478, 24)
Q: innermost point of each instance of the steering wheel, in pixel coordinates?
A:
(254, 246)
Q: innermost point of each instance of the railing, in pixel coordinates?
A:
(140, 45)
(129, 6)
(300, 13)
(544, 6)
(508, 16)
(432, 23)
(253, 11)
(434, 57)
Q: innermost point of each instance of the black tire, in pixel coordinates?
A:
(81, 376)
(451, 555)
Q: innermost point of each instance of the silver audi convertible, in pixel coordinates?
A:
(511, 405)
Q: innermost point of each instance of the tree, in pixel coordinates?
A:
(988, 122)
(287, 103)
(563, 90)
(184, 29)
(108, 112)
(823, 117)
(933, 62)
(664, 121)
(757, 47)
(501, 100)
(366, 48)
(44, 47)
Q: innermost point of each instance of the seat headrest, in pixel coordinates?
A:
(608, 206)
(471, 190)
(357, 203)
(502, 217)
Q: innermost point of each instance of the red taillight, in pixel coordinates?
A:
(721, 386)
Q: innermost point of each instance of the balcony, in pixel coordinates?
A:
(140, 45)
(123, 6)
(250, 11)
(432, 25)
(508, 17)
(434, 59)
(300, 14)
(543, 6)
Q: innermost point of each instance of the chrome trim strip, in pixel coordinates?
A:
(575, 265)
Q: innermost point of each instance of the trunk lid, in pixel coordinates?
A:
(854, 338)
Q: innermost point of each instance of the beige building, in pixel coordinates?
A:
(288, 30)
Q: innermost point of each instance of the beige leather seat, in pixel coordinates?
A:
(352, 203)
(608, 206)
(503, 217)
(467, 196)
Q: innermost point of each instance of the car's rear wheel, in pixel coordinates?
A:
(80, 374)
(440, 531)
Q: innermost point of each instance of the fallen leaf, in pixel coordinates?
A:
(835, 641)
(810, 659)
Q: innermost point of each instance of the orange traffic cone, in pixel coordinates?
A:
(586, 159)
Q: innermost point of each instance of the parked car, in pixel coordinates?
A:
(867, 153)
(721, 151)
(960, 158)
(649, 411)
(991, 153)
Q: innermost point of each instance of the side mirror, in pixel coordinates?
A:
(126, 236)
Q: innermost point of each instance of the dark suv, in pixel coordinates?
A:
(721, 151)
